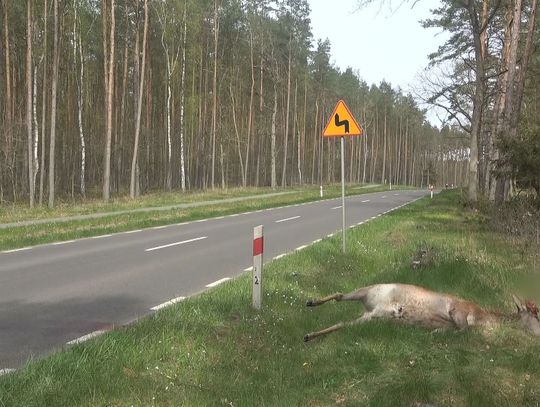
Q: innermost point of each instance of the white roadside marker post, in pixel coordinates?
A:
(258, 248)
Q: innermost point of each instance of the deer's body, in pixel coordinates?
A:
(419, 306)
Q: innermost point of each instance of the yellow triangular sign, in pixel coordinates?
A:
(342, 123)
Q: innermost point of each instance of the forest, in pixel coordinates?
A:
(106, 98)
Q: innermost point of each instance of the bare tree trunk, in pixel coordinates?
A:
(109, 90)
(43, 104)
(29, 69)
(273, 141)
(53, 107)
(182, 99)
(214, 92)
(286, 142)
(134, 164)
(77, 46)
(8, 109)
(35, 141)
(237, 134)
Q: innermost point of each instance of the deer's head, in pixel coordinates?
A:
(528, 314)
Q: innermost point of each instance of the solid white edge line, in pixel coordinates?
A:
(6, 371)
(317, 241)
(218, 282)
(287, 219)
(133, 231)
(250, 268)
(159, 227)
(175, 244)
(87, 337)
(167, 303)
(100, 236)
(337, 207)
(17, 250)
(61, 243)
(279, 256)
(301, 247)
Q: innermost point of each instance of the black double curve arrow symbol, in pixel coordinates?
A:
(341, 123)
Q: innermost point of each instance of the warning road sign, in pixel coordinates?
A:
(342, 123)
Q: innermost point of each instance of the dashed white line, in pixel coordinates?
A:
(167, 303)
(360, 223)
(287, 219)
(87, 337)
(17, 250)
(175, 244)
(337, 207)
(301, 247)
(218, 282)
(6, 371)
(367, 200)
(317, 241)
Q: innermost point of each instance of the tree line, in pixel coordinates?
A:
(115, 97)
(485, 78)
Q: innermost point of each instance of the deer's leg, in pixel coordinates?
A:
(352, 296)
(320, 301)
(389, 312)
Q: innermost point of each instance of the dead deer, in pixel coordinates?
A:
(419, 306)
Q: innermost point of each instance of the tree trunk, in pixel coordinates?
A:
(29, 133)
(286, 142)
(182, 102)
(214, 92)
(43, 104)
(53, 107)
(109, 91)
(133, 187)
(273, 141)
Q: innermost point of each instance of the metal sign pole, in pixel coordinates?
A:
(343, 189)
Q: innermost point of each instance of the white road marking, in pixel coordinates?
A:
(87, 337)
(330, 235)
(287, 219)
(301, 247)
(367, 200)
(250, 268)
(384, 196)
(279, 256)
(219, 217)
(100, 236)
(176, 244)
(201, 220)
(215, 283)
(317, 241)
(133, 231)
(159, 227)
(337, 207)
(6, 371)
(17, 250)
(360, 223)
(61, 243)
(167, 303)
(396, 194)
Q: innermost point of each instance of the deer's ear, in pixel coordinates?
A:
(518, 303)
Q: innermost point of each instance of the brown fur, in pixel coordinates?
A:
(419, 306)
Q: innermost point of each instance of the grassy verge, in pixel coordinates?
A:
(21, 236)
(214, 349)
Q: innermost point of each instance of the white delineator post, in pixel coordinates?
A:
(258, 249)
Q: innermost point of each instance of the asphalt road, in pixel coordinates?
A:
(54, 294)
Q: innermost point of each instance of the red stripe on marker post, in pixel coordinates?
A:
(258, 249)
(258, 244)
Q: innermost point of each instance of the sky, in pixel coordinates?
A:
(382, 43)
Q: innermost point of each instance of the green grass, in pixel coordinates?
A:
(21, 236)
(214, 349)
